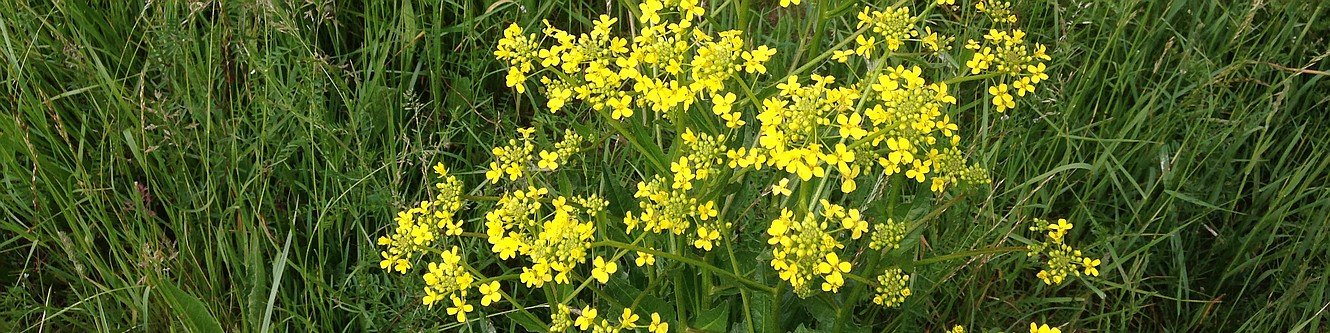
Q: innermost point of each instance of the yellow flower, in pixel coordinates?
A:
(833, 264)
(587, 318)
(1037, 72)
(901, 150)
(658, 326)
(707, 211)
(628, 319)
(939, 185)
(621, 107)
(851, 126)
(920, 169)
(753, 60)
(782, 187)
(1023, 86)
(854, 223)
(489, 293)
(733, 119)
(601, 270)
(1036, 328)
(1058, 230)
(645, 259)
(1091, 266)
(842, 56)
(1001, 98)
(705, 238)
(946, 2)
(515, 79)
(841, 158)
(548, 160)
(787, 3)
(866, 46)
(723, 103)
(494, 173)
(946, 126)
(460, 308)
(649, 9)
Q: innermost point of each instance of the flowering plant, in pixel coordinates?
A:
(701, 111)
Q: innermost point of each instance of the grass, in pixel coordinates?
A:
(178, 164)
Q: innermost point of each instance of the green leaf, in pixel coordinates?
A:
(714, 320)
(527, 322)
(189, 309)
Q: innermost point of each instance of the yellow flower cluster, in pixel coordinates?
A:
(418, 227)
(671, 205)
(449, 280)
(901, 127)
(587, 320)
(1017, 64)
(668, 65)
(892, 288)
(561, 320)
(518, 51)
(512, 160)
(887, 235)
(996, 11)
(515, 159)
(555, 242)
(805, 249)
(1061, 259)
(895, 26)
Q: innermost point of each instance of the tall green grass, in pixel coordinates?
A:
(178, 164)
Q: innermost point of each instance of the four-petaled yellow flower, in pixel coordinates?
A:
(460, 308)
(645, 259)
(628, 319)
(489, 293)
(705, 238)
(1091, 266)
(1037, 72)
(1058, 230)
(602, 269)
(851, 126)
(707, 211)
(733, 119)
(548, 160)
(865, 45)
(658, 326)
(587, 319)
(1001, 98)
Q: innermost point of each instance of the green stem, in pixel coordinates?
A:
(968, 78)
(655, 160)
(825, 54)
(511, 300)
(743, 294)
(970, 253)
(479, 197)
(696, 263)
(773, 313)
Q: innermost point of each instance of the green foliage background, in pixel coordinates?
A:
(228, 164)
